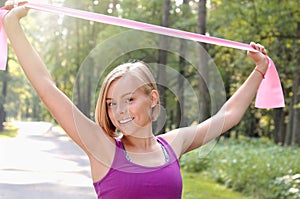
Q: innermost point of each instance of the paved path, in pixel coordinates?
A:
(43, 163)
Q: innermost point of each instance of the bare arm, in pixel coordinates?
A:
(189, 138)
(61, 107)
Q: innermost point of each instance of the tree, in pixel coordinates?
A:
(185, 15)
(203, 66)
(247, 21)
(293, 133)
(162, 61)
(5, 79)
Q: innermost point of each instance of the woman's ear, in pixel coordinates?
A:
(154, 98)
(155, 105)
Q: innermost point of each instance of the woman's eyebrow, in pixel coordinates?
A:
(128, 93)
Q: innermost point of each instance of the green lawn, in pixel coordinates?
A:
(198, 186)
(9, 132)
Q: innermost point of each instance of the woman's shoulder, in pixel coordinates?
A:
(169, 140)
(169, 137)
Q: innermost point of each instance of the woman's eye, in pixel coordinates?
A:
(110, 104)
(129, 100)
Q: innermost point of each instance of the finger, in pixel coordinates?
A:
(12, 4)
(253, 45)
(22, 3)
(262, 49)
(258, 47)
(9, 5)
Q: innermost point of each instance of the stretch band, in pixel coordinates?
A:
(139, 26)
(270, 88)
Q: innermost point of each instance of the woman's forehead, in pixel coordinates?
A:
(124, 86)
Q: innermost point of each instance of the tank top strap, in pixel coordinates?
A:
(118, 143)
(120, 160)
(170, 150)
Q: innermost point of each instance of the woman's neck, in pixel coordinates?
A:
(139, 144)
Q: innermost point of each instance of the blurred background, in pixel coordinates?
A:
(267, 140)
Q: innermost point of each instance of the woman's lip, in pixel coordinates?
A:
(124, 121)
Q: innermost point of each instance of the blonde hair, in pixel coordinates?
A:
(138, 70)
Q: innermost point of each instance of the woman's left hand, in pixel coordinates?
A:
(259, 57)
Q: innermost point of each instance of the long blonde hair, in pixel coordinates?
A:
(138, 70)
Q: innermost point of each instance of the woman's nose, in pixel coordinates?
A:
(121, 108)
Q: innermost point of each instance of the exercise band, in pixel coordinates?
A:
(269, 94)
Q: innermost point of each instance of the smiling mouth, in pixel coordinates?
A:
(124, 121)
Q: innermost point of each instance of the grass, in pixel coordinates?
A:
(253, 167)
(9, 132)
(199, 186)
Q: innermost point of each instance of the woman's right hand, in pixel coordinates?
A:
(17, 10)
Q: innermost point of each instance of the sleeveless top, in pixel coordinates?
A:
(128, 180)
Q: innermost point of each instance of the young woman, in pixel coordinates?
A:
(136, 164)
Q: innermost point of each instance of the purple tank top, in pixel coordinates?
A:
(128, 180)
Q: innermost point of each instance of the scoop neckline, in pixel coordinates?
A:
(166, 163)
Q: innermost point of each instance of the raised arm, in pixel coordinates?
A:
(86, 133)
(189, 138)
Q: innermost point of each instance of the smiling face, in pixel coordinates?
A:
(130, 87)
(130, 106)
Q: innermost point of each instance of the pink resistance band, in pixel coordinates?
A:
(269, 95)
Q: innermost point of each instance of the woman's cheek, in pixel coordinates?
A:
(111, 116)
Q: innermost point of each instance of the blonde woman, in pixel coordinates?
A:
(136, 164)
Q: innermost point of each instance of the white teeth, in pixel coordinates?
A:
(125, 120)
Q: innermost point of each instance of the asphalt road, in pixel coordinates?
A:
(43, 163)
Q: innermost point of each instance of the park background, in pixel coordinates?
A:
(259, 157)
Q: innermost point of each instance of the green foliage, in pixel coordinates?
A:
(9, 131)
(252, 166)
(192, 162)
(199, 186)
(286, 187)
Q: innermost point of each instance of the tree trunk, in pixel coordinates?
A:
(84, 90)
(291, 137)
(180, 89)
(279, 135)
(180, 118)
(3, 98)
(85, 77)
(292, 134)
(295, 125)
(203, 66)
(288, 135)
(4, 88)
(296, 98)
(162, 61)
